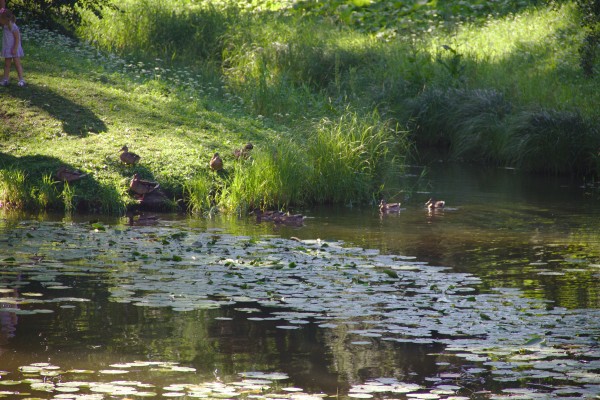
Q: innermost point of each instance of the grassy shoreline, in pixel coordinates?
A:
(81, 106)
(334, 112)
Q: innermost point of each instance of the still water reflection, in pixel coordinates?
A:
(85, 315)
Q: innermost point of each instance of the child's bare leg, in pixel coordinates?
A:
(7, 62)
(19, 67)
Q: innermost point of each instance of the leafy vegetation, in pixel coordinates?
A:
(149, 288)
(179, 80)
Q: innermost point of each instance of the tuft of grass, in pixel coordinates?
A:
(13, 188)
(273, 177)
(69, 198)
(200, 193)
(351, 157)
(553, 141)
(46, 195)
(469, 123)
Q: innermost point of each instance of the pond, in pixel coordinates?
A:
(495, 297)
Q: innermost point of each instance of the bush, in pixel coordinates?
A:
(161, 29)
(553, 141)
(53, 13)
(468, 123)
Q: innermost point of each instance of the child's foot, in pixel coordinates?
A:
(22, 83)
(4, 82)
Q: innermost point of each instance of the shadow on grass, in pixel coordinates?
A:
(76, 119)
(86, 194)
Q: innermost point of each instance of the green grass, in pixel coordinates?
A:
(332, 97)
(81, 107)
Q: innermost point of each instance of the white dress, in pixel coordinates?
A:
(8, 41)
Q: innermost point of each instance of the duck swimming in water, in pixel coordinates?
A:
(266, 215)
(433, 204)
(388, 207)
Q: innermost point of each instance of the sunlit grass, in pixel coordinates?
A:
(226, 75)
(85, 107)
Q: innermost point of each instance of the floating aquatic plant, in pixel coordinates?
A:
(364, 296)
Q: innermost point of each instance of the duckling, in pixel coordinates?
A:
(433, 204)
(140, 186)
(68, 175)
(216, 163)
(388, 207)
(128, 157)
(266, 215)
(289, 219)
(244, 152)
(142, 220)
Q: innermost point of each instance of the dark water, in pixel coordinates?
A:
(537, 237)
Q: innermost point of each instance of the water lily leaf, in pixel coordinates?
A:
(536, 341)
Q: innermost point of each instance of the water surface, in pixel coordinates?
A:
(494, 297)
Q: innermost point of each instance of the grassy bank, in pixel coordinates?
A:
(495, 82)
(81, 106)
(334, 98)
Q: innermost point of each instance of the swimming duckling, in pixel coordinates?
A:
(140, 186)
(289, 219)
(266, 215)
(68, 175)
(433, 204)
(142, 220)
(128, 157)
(216, 163)
(388, 207)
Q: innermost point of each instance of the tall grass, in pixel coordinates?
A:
(274, 177)
(351, 157)
(553, 141)
(165, 29)
(345, 161)
(46, 195)
(199, 193)
(13, 190)
(489, 92)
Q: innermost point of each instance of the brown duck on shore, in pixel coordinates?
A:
(68, 175)
(244, 152)
(433, 204)
(388, 207)
(141, 186)
(216, 163)
(128, 157)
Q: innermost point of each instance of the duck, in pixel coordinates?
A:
(433, 204)
(140, 186)
(128, 157)
(216, 163)
(142, 220)
(68, 175)
(388, 207)
(244, 152)
(289, 219)
(266, 215)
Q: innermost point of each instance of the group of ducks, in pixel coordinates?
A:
(431, 204)
(216, 162)
(141, 187)
(278, 217)
(65, 174)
